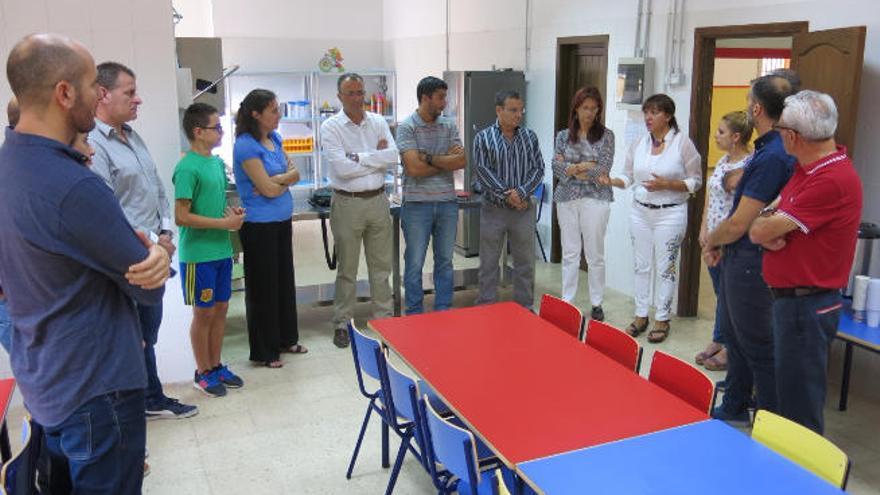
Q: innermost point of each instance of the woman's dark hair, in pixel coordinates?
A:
(664, 104)
(255, 101)
(597, 130)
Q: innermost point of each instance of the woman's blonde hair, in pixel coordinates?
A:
(738, 123)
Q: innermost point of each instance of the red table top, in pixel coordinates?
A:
(527, 388)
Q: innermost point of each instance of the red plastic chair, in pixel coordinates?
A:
(562, 314)
(614, 343)
(683, 380)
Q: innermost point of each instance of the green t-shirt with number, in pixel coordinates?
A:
(202, 179)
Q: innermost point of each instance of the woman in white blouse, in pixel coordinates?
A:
(732, 137)
(663, 167)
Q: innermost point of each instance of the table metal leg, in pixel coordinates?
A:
(844, 382)
(395, 264)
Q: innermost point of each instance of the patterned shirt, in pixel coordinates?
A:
(720, 201)
(503, 164)
(435, 138)
(602, 152)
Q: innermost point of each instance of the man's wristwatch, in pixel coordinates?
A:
(353, 157)
(429, 158)
(169, 233)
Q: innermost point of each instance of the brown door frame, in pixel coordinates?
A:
(561, 108)
(701, 110)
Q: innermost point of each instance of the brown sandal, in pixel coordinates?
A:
(659, 332)
(718, 362)
(634, 330)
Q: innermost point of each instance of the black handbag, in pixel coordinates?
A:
(321, 197)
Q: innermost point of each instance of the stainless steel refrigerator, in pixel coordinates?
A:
(471, 102)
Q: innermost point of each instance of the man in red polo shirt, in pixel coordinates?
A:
(809, 240)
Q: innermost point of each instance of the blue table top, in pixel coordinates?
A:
(857, 331)
(691, 459)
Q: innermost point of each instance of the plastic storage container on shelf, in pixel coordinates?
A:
(298, 144)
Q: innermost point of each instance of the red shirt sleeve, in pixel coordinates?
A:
(814, 204)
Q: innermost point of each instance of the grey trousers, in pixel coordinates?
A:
(353, 221)
(519, 226)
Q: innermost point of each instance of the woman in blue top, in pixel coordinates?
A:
(263, 174)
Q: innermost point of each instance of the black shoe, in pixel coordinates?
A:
(597, 313)
(340, 338)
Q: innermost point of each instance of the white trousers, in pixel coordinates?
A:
(582, 223)
(656, 236)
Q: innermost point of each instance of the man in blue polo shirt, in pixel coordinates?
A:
(745, 315)
(72, 268)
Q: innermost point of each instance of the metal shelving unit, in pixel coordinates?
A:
(319, 90)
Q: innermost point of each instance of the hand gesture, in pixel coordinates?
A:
(165, 242)
(712, 256)
(152, 271)
(603, 180)
(656, 184)
(233, 218)
(382, 144)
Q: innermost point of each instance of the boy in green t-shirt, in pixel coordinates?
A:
(205, 249)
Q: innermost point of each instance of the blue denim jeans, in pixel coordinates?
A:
(421, 222)
(5, 326)
(151, 318)
(803, 328)
(103, 442)
(746, 321)
(715, 275)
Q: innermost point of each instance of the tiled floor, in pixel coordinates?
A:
(292, 430)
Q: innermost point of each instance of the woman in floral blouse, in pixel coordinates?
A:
(732, 137)
(583, 153)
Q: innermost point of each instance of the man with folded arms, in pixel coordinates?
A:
(359, 148)
(809, 237)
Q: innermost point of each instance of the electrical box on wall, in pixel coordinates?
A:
(634, 82)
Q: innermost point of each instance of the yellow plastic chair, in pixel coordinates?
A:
(803, 446)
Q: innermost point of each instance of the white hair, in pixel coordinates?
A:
(811, 113)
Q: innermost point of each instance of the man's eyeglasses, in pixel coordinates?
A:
(218, 127)
(354, 93)
(778, 127)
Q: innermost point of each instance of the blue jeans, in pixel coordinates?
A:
(746, 320)
(151, 318)
(803, 330)
(715, 275)
(103, 442)
(5, 326)
(420, 222)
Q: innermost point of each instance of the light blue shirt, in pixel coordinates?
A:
(260, 209)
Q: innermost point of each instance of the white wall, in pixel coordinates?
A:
(137, 33)
(270, 35)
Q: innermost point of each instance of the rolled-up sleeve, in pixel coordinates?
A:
(693, 172)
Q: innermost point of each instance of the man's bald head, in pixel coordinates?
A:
(39, 62)
(12, 112)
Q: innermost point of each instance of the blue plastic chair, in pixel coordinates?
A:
(369, 360)
(456, 449)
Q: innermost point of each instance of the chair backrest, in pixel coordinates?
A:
(539, 195)
(19, 474)
(615, 344)
(451, 446)
(368, 357)
(803, 446)
(562, 314)
(681, 379)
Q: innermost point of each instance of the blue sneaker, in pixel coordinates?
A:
(738, 419)
(226, 377)
(170, 409)
(209, 384)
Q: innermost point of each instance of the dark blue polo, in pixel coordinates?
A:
(65, 246)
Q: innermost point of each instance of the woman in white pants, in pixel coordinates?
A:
(583, 153)
(664, 169)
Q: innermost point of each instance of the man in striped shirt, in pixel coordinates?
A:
(509, 168)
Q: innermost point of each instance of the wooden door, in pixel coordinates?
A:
(831, 62)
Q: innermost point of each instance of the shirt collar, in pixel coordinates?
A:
(107, 130)
(22, 139)
(825, 161)
(497, 126)
(766, 138)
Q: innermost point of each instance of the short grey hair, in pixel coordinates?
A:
(812, 114)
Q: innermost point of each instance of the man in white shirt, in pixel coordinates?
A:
(358, 148)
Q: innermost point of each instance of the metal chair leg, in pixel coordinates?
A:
(357, 445)
(398, 461)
